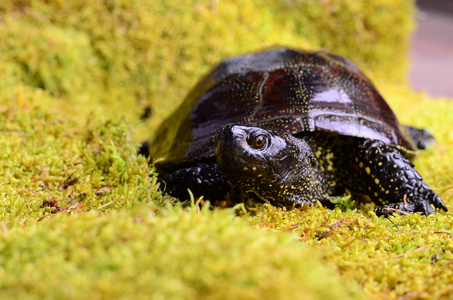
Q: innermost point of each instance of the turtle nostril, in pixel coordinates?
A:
(224, 135)
(225, 131)
(228, 127)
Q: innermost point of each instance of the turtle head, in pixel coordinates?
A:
(274, 165)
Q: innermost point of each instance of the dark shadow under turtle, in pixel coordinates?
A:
(292, 126)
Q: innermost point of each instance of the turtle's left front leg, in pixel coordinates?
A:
(202, 180)
(391, 181)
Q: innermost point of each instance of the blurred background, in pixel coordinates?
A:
(140, 59)
(432, 48)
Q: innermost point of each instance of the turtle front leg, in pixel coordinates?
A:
(202, 180)
(391, 181)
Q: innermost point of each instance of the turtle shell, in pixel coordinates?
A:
(281, 89)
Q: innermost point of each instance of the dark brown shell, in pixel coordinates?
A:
(281, 89)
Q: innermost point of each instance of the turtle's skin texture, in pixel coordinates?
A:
(292, 127)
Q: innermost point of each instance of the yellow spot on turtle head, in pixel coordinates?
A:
(361, 164)
(376, 181)
(368, 170)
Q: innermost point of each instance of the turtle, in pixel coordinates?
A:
(292, 127)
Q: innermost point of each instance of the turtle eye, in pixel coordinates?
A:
(259, 142)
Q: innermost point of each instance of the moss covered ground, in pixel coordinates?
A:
(81, 215)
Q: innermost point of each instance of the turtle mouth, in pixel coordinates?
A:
(230, 159)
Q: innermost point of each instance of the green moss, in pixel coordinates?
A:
(53, 164)
(171, 255)
(405, 256)
(57, 60)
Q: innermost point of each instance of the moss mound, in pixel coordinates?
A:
(48, 57)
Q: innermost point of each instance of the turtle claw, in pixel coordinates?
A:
(403, 209)
(424, 206)
(437, 202)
